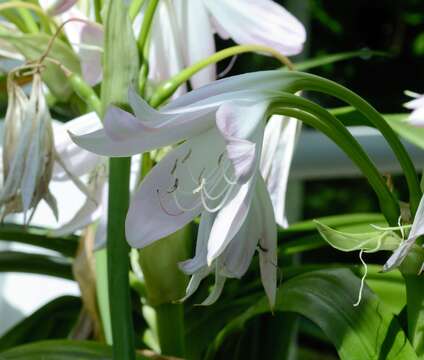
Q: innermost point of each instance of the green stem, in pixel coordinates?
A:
(118, 259)
(315, 83)
(321, 119)
(170, 327)
(97, 10)
(135, 8)
(170, 86)
(415, 310)
(103, 293)
(147, 24)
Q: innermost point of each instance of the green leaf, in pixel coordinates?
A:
(369, 241)
(13, 261)
(32, 46)
(54, 320)
(61, 350)
(39, 237)
(120, 60)
(368, 331)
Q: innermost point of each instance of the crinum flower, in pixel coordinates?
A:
(417, 106)
(214, 172)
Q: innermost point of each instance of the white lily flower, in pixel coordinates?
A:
(261, 22)
(183, 33)
(417, 105)
(406, 246)
(215, 172)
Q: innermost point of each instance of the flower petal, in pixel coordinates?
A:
(165, 55)
(195, 281)
(198, 38)
(199, 260)
(77, 160)
(229, 220)
(416, 231)
(217, 288)
(56, 7)
(259, 22)
(238, 122)
(280, 138)
(268, 242)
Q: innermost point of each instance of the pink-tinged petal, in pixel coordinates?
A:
(125, 135)
(166, 199)
(199, 260)
(77, 160)
(217, 288)
(56, 7)
(198, 41)
(268, 242)
(86, 37)
(416, 231)
(165, 55)
(229, 220)
(280, 139)
(237, 123)
(261, 22)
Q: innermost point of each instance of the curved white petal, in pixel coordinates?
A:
(259, 22)
(195, 281)
(239, 122)
(77, 160)
(280, 139)
(216, 290)
(165, 54)
(229, 220)
(198, 41)
(199, 260)
(416, 231)
(415, 103)
(416, 118)
(238, 255)
(268, 242)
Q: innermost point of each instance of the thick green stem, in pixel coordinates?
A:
(170, 324)
(415, 310)
(147, 24)
(315, 83)
(316, 116)
(118, 259)
(135, 8)
(170, 86)
(29, 21)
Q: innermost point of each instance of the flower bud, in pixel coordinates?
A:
(28, 150)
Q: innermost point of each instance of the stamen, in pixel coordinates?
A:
(361, 288)
(174, 168)
(185, 158)
(219, 206)
(174, 187)
(216, 197)
(229, 181)
(181, 207)
(199, 179)
(261, 248)
(163, 207)
(199, 188)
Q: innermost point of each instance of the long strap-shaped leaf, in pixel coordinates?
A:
(64, 350)
(368, 331)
